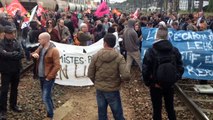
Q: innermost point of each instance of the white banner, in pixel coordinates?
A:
(75, 61)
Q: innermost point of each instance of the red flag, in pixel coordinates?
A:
(102, 10)
(14, 6)
(135, 15)
(1, 9)
(40, 10)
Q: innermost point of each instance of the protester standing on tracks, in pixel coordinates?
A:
(35, 29)
(48, 64)
(158, 90)
(107, 70)
(11, 54)
(131, 41)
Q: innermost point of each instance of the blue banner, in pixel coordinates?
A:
(196, 49)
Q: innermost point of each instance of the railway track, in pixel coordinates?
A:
(26, 67)
(200, 104)
(138, 99)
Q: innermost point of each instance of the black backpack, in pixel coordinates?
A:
(165, 68)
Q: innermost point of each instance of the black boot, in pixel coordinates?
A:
(16, 109)
(3, 116)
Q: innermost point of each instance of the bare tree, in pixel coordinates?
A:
(210, 7)
(200, 5)
(176, 5)
(161, 4)
(169, 6)
(190, 5)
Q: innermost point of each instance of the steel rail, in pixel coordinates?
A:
(199, 114)
(25, 69)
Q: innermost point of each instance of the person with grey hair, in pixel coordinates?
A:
(48, 60)
(84, 37)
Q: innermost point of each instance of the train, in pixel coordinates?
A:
(57, 5)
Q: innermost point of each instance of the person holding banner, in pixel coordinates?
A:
(84, 37)
(107, 70)
(48, 64)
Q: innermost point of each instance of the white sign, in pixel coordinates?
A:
(75, 61)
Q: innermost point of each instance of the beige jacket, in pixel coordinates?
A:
(107, 70)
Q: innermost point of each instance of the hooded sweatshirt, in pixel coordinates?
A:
(162, 46)
(130, 37)
(107, 69)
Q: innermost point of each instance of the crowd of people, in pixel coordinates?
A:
(83, 29)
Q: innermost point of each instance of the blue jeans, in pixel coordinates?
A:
(46, 87)
(112, 99)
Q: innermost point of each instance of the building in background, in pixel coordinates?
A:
(183, 4)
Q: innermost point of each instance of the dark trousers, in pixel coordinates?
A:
(12, 80)
(156, 96)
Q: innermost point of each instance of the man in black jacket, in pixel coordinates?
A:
(11, 54)
(157, 90)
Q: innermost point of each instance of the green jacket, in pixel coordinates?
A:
(84, 38)
(107, 70)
